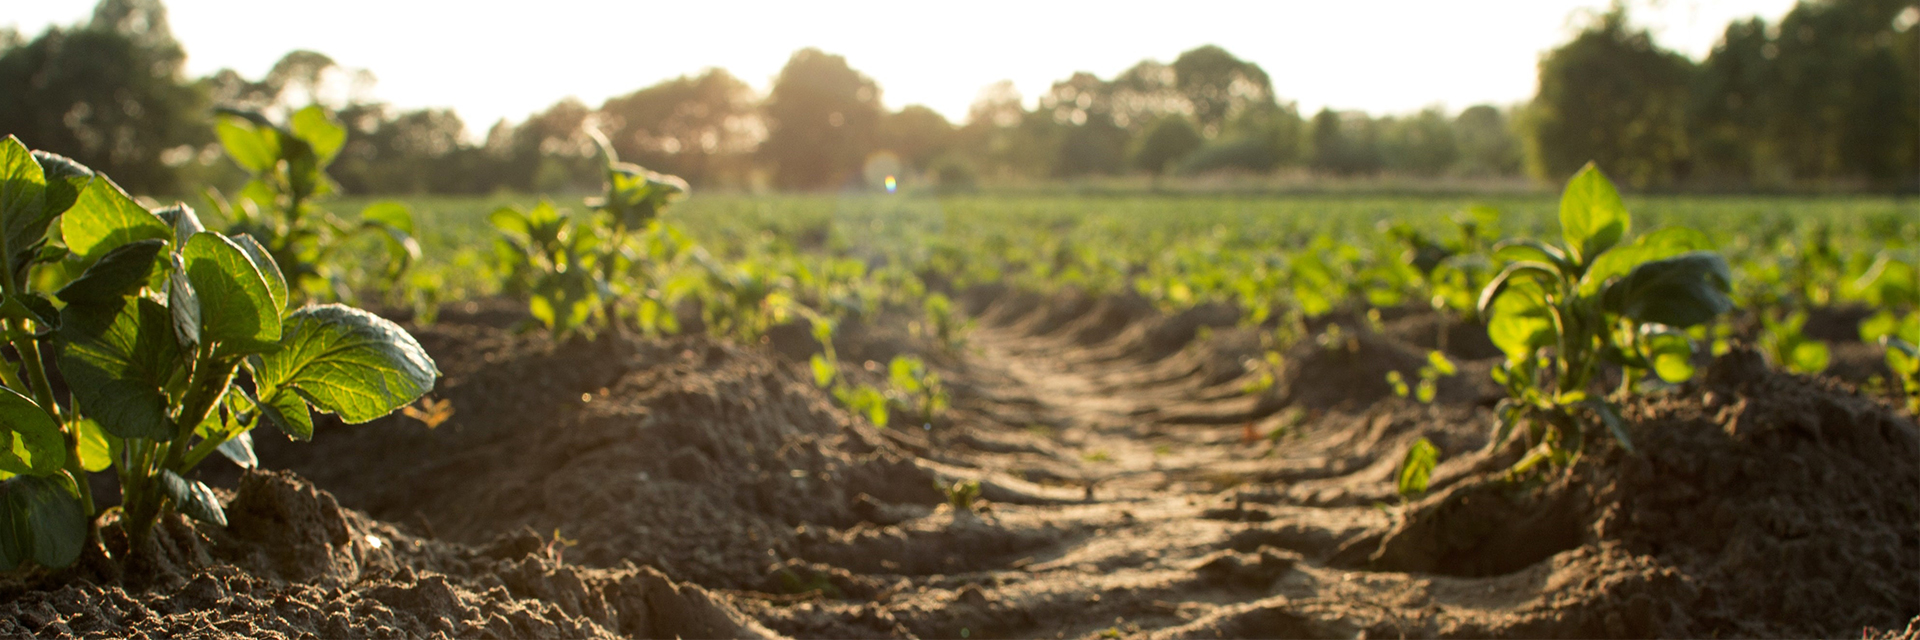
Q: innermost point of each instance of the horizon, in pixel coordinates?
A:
(911, 65)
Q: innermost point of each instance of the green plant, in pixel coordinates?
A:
(962, 494)
(579, 271)
(279, 206)
(1416, 469)
(943, 324)
(174, 342)
(917, 388)
(1437, 367)
(1789, 347)
(1901, 338)
(1559, 312)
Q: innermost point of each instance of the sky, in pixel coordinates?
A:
(494, 60)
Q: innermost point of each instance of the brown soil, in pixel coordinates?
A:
(699, 488)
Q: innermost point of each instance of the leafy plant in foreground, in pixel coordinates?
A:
(279, 205)
(175, 342)
(1559, 312)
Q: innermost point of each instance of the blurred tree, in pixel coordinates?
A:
(1090, 142)
(1613, 97)
(695, 127)
(1143, 94)
(417, 151)
(1730, 108)
(1846, 96)
(1345, 143)
(917, 134)
(1488, 146)
(822, 118)
(1217, 85)
(110, 94)
(1167, 141)
(1423, 144)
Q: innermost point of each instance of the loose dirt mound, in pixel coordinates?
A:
(292, 563)
(1130, 487)
(641, 450)
(1760, 504)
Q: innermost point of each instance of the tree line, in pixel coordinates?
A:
(1828, 98)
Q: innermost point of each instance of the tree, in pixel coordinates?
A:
(1165, 142)
(110, 94)
(1730, 110)
(1217, 85)
(1344, 143)
(1488, 146)
(691, 126)
(917, 134)
(1423, 144)
(822, 117)
(1613, 97)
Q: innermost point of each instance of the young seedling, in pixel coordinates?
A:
(1437, 367)
(279, 206)
(962, 494)
(1416, 469)
(1559, 312)
(578, 270)
(174, 341)
(918, 390)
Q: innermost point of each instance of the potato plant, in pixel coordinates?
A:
(1560, 311)
(174, 341)
(583, 272)
(279, 206)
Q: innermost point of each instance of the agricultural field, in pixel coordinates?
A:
(649, 412)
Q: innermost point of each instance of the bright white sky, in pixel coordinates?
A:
(492, 60)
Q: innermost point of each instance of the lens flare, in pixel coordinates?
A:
(892, 186)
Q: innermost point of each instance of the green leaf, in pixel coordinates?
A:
(1524, 271)
(1519, 321)
(1416, 468)
(1809, 357)
(97, 447)
(184, 221)
(269, 270)
(1530, 250)
(183, 304)
(105, 218)
(1664, 243)
(237, 308)
(1670, 352)
(391, 213)
(254, 147)
(40, 520)
(1681, 291)
(65, 180)
(192, 497)
(1592, 218)
(23, 198)
(31, 440)
(288, 411)
(320, 131)
(1441, 364)
(119, 273)
(823, 371)
(239, 449)
(347, 361)
(117, 358)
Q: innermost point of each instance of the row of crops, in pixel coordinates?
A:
(147, 339)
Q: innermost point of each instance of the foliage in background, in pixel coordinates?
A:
(280, 204)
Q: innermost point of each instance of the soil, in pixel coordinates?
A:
(1130, 486)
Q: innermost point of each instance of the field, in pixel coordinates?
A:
(1097, 415)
